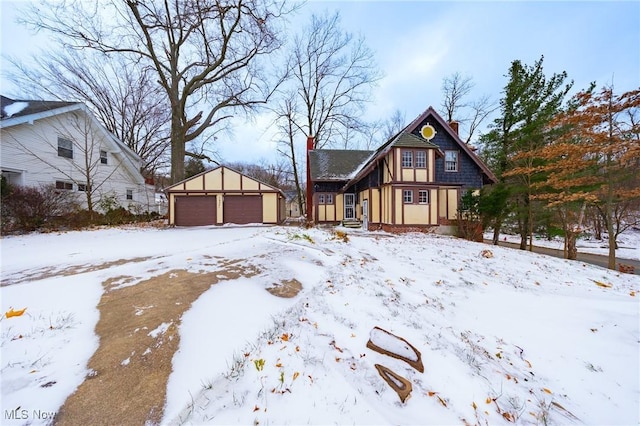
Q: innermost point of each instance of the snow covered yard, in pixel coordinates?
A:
(628, 244)
(505, 336)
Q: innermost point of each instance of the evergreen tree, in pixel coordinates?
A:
(594, 159)
(530, 101)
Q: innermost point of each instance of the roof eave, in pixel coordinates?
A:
(30, 118)
(456, 137)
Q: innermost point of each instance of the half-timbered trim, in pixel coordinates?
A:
(403, 183)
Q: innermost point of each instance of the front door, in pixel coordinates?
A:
(365, 214)
(349, 206)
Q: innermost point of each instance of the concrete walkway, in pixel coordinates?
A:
(594, 259)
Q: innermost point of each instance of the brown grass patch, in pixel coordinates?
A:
(133, 391)
(286, 288)
(52, 271)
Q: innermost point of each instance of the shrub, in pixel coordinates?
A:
(25, 209)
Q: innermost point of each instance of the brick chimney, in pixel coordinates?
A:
(309, 211)
(454, 126)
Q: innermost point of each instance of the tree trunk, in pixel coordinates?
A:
(611, 263)
(524, 231)
(572, 250)
(177, 148)
(597, 225)
(530, 224)
(496, 232)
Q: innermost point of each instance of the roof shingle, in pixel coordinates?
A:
(32, 107)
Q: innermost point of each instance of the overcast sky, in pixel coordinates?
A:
(418, 43)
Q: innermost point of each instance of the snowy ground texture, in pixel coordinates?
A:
(628, 243)
(505, 336)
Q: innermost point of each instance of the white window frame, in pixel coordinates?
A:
(407, 159)
(64, 185)
(104, 159)
(65, 151)
(129, 195)
(422, 192)
(329, 199)
(451, 165)
(421, 159)
(407, 196)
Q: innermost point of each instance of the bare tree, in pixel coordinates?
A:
(275, 174)
(205, 53)
(124, 97)
(333, 74)
(380, 131)
(456, 88)
(479, 110)
(288, 130)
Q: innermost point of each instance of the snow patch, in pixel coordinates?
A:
(14, 108)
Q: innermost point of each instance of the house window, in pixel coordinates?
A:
(65, 148)
(60, 184)
(82, 187)
(451, 161)
(423, 197)
(325, 198)
(129, 194)
(421, 159)
(103, 157)
(407, 158)
(407, 196)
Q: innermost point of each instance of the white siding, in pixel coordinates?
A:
(30, 158)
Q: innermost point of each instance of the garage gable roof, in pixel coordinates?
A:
(181, 185)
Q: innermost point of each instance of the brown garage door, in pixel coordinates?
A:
(242, 209)
(195, 210)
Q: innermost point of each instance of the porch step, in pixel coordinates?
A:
(351, 224)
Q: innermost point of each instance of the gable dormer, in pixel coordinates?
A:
(413, 159)
(459, 164)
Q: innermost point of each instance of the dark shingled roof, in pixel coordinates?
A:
(33, 107)
(410, 140)
(335, 164)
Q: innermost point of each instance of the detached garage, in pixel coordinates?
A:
(223, 195)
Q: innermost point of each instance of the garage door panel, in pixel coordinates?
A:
(195, 211)
(242, 209)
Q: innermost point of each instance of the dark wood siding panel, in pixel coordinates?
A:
(195, 211)
(468, 174)
(242, 209)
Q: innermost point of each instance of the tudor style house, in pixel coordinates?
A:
(62, 144)
(412, 182)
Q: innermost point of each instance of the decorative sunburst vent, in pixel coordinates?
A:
(427, 131)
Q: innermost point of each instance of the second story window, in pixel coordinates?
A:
(421, 159)
(451, 161)
(67, 186)
(65, 148)
(103, 157)
(407, 159)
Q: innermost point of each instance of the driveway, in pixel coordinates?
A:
(593, 259)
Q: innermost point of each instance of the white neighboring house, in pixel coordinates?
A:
(64, 144)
